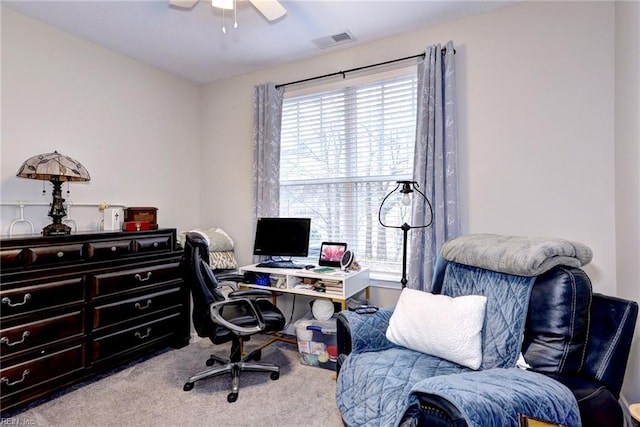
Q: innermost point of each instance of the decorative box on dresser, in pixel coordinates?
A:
(72, 306)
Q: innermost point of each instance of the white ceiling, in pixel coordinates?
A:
(190, 43)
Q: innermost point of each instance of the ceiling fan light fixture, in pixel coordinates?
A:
(222, 4)
(270, 9)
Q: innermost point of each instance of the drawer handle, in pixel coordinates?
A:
(139, 335)
(6, 381)
(7, 300)
(113, 249)
(155, 244)
(60, 254)
(5, 340)
(137, 276)
(141, 307)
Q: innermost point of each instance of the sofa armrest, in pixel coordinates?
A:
(493, 397)
(613, 322)
(433, 411)
(363, 332)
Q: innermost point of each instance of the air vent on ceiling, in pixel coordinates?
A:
(334, 39)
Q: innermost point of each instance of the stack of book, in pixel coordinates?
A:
(329, 286)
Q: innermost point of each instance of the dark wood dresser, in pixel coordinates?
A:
(73, 306)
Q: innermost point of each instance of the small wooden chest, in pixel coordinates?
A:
(137, 214)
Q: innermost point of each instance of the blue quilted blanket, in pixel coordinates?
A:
(496, 397)
(379, 378)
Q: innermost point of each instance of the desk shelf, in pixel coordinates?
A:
(347, 284)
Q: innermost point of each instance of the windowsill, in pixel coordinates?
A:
(382, 280)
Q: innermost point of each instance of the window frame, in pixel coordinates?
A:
(386, 277)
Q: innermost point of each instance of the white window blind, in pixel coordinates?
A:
(341, 152)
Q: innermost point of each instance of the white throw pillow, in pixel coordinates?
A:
(450, 328)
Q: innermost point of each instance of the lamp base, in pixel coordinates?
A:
(56, 230)
(57, 212)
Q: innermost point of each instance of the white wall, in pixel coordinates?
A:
(536, 124)
(135, 128)
(627, 128)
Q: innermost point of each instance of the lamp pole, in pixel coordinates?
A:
(408, 187)
(405, 232)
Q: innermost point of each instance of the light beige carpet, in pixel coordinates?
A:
(150, 393)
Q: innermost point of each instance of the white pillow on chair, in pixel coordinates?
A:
(450, 328)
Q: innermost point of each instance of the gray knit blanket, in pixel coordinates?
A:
(520, 256)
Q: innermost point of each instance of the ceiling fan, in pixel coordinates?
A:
(270, 9)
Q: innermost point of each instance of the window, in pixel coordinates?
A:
(341, 152)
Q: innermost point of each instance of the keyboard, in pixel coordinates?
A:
(279, 264)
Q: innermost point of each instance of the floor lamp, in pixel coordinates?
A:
(406, 189)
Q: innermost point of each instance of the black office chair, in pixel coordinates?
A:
(222, 319)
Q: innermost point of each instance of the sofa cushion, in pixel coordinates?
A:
(558, 321)
(373, 387)
(450, 328)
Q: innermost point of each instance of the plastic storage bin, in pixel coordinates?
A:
(317, 342)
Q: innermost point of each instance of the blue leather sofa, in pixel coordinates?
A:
(576, 342)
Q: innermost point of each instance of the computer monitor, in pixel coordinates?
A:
(282, 237)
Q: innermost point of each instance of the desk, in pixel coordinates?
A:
(341, 285)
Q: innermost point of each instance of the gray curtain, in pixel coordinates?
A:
(435, 167)
(267, 118)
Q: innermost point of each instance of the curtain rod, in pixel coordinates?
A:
(351, 70)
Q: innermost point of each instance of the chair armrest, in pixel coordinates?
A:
(363, 332)
(493, 397)
(229, 284)
(433, 411)
(250, 293)
(240, 330)
(613, 322)
(231, 277)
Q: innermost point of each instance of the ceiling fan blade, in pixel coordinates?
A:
(271, 9)
(183, 4)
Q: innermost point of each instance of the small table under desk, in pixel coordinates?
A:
(341, 285)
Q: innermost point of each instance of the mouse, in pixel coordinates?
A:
(309, 267)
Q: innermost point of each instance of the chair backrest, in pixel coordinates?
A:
(570, 330)
(203, 284)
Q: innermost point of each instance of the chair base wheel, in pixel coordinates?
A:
(232, 397)
(188, 386)
(275, 375)
(210, 362)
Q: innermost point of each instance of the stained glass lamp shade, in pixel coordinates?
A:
(57, 168)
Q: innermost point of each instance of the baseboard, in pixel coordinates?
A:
(628, 420)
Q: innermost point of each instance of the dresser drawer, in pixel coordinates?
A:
(127, 280)
(47, 331)
(134, 338)
(154, 244)
(47, 295)
(22, 376)
(53, 254)
(10, 258)
(109, 249)
(122, 311)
